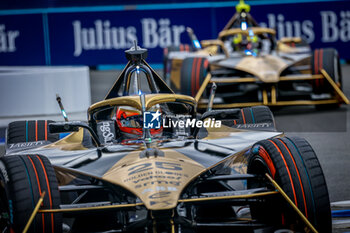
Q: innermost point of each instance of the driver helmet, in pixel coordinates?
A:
(242, 42)
(130, 122)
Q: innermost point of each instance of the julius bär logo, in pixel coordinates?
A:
(152, 120)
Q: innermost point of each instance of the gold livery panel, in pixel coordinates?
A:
(157, 181)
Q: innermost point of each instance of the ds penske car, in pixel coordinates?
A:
(134, 168)
(250, 67)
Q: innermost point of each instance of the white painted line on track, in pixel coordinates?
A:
(341, 223)
(341, 204)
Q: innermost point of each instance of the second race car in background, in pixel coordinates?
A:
(251, 67)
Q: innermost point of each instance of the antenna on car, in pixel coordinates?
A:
(195, 43)
(64, 114)
(211, 97)
(136, 54)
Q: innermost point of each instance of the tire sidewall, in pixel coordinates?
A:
(5, 179)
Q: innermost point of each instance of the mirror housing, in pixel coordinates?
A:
(73, 126)
(63, 127)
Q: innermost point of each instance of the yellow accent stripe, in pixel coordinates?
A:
(264, 95)
(233, 105)
(252, 80)
(202, 88)
(141, 204)
(234, 80)
(291, 203)
(273, 95)
(89, 208)
(305, 102)
(35, 211)
(335, 86)
(228, 197)
(301, 77)
(278, 103)
(172, 226)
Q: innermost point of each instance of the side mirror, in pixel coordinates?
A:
(63, 127)
(72, 126)
(222, 114)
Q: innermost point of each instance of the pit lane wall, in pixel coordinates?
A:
(99, 35)
(30, 93)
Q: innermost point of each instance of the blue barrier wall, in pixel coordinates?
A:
(99, 35)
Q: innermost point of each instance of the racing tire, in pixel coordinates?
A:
(23, 179)
(293, 164)
(244, 116)
(193, 72)
(327, 59)
(30, 131)
(167, 50)
(256, 114)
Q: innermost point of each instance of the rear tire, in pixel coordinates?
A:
(327, 59)
(167, 50)
(193, 72)
(30, 131)
(257, 114)
(23, 179)
(243, 116)
(293, 164)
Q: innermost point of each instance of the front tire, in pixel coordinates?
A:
(30, 131)
(293, 164)
(23, 178)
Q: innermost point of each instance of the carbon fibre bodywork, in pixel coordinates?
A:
(181, 162)
(186, 180)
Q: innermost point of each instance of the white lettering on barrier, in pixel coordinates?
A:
(335, 27)
(7, 40)
(160, 33)
(161, 36)
(103, 36)
(294, 28)
(332, 31)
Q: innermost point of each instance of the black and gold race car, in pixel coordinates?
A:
(146, 161)
(250, 67)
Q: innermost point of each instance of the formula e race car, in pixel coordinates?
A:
(250, 67)
(146, 161)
